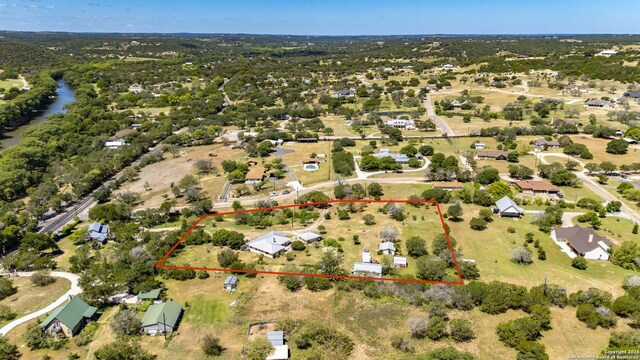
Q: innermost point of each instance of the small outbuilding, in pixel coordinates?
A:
(231, 283)
(276, 338)
(399, 262)
(387, 248)
(152, 295)
(309, 237)
(506, 207)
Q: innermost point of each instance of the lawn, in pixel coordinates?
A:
(303, 151)
(492, 247)
(154, 181)
(598, 147)
(30, 298)
(9, 83)
(615, 228)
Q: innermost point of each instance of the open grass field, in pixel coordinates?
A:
(30, 298)
(491, 248)
(615, 229)
(9, 83)
(598, 147)
(159, 176)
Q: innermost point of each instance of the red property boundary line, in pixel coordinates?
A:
(159, 264)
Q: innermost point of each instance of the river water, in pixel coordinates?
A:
(65, 96)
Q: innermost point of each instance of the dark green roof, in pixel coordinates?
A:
(153, 294)
(155, 313)
(71, 314)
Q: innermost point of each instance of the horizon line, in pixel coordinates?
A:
(312, 35)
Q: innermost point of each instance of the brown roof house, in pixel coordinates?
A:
(543, 143)
(492, 154)
(535, 187)
(583, 242)
(254, 175)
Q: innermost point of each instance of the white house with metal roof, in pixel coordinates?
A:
(387, 248)
(270, 244)
(309, 237)
(506, 207)
(367, 269)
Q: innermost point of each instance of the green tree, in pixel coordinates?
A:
(35, 337)
(460, 330)
(430, 269)
(6, 288)
(455, 212)
(579, 263)
(487, 175)
(478, 223)
(416, 246)
(227, 257)
(617, 146)
(436, 328)
(500, 189)
(448, 353)
(374, 189)
(625, 255)
(126, 322)
(123, 349)
(259, 349)
(8, 351)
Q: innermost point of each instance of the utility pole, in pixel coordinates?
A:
(164, 324)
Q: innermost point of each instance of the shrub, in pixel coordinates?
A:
(6, 288)
(203, 274)
(8, 351)
(418, 328)
(6, 313)
(448, 353)
(400, 343)
(42, 278)
(227, 257)
(86, 335)
(469, 270)
(298, 245)
(579, 263)
(478, 223)
(460, 330)
(436, 328)
(521, 255)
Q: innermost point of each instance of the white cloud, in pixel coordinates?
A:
(50, 7)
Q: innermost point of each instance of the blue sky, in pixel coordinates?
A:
(324, 17)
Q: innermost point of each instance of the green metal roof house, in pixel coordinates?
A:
(149, 295)
(70, 318)
(161, 318)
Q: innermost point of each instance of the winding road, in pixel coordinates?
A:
(75, 290)
(592, 185)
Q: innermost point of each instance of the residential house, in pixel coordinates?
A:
(632, 94)
(307, 140)
(448, 66)
(448, 185)
(607, 52)
(309, 237)
(114, 144)
(577, 88)
(595, 103)
(340, 94)
(231, 283)
(536, 187)
(135, 88)
(560, 122)
(270, 244)
(583, 242)
(254, 175)
(399, 262)
(161, 318)
(98, 232)
(543, 144)
(70, 318)
(457, 103)
(492, 154)
(367, 269)
(311, 161)
(401, 124)
(387, 248)
(153, 295)
(399, 158)
(506, 207)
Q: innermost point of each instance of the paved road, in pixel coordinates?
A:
(75, 290)
(431, 112)
(594, 186)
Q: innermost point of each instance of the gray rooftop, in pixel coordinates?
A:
(505, 203)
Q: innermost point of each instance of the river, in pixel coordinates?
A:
(65, 95)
